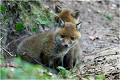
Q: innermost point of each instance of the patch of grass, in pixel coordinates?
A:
(34, 29)
(100, 77)
(42, 21)
(3, 8)
(63, 71)
(24, 70)
(96, 77)
(19, 26)
(118, 21)
(108, 16)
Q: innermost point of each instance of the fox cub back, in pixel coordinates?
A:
(66, 14)
(49, 46)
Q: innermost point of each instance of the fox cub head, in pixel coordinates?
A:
(66, 14)
(67, 33)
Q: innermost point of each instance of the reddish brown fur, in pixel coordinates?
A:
(70, 30)
(40, 46)
(66, 15)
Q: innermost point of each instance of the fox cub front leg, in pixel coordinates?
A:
(68, 61)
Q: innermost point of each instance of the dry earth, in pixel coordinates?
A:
(100, 36)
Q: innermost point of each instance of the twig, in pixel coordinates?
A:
(104, 49)
(1, 38)
(8, 65)
(16, 41)
(6, 51)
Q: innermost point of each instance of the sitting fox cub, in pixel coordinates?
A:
(68, 15)
(49, 46)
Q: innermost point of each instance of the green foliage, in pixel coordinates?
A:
(38, 15)
(42, 21)
(66, 73)
(19, 26)
(24, 70)
(34, 29)
(96, 77)
(30, 13)
(108, 16)
(100, 77)
(4, 18)
(118, 21)
(3, 8)
(63, 71)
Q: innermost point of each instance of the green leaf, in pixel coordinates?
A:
(3, 8)
(42, 21)
(100, 76)
(4, 18)
(63, 71)
(5, 72)
(61, 68)
(18, 73)
(34, 29)
(19, 26)
(47, 75)
(108, 16)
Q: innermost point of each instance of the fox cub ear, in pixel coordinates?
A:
(61, 23)
(78, 26)
(75, 14)
(57, 9)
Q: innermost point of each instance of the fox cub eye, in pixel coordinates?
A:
(72, 38)
(62, 36)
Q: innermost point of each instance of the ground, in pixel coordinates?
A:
(100, 36)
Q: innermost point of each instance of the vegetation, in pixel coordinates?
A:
(108, 16)
(31, 16)
(24, 70)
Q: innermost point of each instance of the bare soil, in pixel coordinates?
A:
(100, 36)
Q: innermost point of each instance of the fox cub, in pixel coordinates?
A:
(66, 14)
(50, 46)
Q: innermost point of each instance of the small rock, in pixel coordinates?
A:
(113, 6)
(94, 37)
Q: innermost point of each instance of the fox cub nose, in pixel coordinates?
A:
(66, 45)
